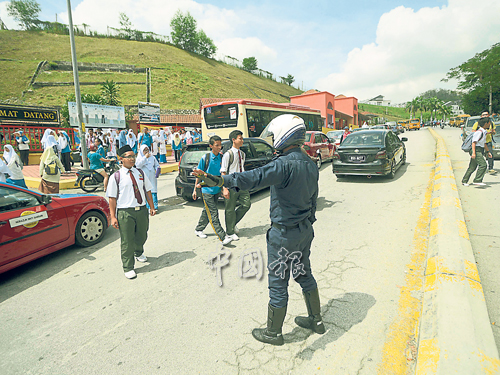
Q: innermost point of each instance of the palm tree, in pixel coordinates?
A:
(110, 93)
(412, 106)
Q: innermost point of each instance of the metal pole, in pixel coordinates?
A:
(83, 142)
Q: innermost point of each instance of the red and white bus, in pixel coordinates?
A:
(251, 117)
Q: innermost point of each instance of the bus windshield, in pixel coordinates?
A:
(221, 116)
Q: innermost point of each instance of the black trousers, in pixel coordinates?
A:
(25, 156)
(66, 160)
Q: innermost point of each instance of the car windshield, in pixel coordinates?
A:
(308, 137)
(193, 157)
(364, 139)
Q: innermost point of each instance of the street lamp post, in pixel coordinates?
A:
(83, 143)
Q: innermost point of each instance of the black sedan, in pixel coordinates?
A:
(370, 153)
(258, 153)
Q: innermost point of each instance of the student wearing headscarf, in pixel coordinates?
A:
(177, 146)
(46, 134)
(65, 147)
(122, 139)
(189, 138)
(4, 171)
(148, 163)
(132, 140)
(15, 166)
(155, 143)
(163, 146)
(50, 168)
(113, 136)
(23, 144)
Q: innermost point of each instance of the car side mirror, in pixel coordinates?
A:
(46, 199)
(404, 139)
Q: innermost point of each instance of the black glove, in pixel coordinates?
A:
(210, 180)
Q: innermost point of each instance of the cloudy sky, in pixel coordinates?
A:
(397, 48)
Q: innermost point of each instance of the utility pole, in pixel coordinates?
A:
(81, 129)
(148, 85)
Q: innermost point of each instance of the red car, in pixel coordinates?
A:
(318, 147)
(33, 225)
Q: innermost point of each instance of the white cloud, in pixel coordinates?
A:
(414, 50)
(8, 20)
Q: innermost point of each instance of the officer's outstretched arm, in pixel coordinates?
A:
(208, 179)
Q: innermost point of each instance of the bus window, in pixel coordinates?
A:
(221, 116)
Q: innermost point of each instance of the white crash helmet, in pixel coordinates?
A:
(287, 130)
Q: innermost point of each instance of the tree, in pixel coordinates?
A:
(412, 107)
(110, 92)
(249, 64)
(479, 72)
(25, 12)
(126, 25)
(206, 46)
(183, 32)
(289, 79)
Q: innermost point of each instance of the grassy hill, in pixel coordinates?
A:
(391, 113)
(179, 78)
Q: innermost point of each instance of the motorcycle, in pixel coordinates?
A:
(89, 180)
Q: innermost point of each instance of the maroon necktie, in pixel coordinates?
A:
(137, 193)
(239, 154)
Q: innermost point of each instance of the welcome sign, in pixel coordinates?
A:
(28, 114)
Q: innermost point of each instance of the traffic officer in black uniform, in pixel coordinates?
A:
(293, 178)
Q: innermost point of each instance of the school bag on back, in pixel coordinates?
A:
(467, 143)
(52, 169)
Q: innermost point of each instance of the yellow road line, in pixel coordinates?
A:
(399, 348)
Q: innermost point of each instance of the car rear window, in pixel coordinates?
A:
(364, 139)
(193, 157)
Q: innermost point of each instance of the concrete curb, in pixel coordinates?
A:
(455, 335)
(69, 183)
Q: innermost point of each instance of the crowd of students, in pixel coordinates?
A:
(102, 145)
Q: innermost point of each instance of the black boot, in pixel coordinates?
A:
(272, 334)
(313, 321)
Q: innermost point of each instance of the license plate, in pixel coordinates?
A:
(357, 158)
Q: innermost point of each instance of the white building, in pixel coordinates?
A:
(378, 100)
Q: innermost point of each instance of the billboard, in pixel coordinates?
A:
(98, 116)
(149, 112)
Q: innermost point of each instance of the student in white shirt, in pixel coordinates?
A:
(479, 149)
(237, 203)
(127, 205)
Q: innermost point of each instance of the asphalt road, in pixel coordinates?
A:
(75, 312)
(481, 206)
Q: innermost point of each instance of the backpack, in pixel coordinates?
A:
(467, 143)
(116, 175)
(207, 160)
(52, 169)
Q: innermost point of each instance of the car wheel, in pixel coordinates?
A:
(392, 173)
(90, 228)
(318, 162)
(403, 161)
(187, 197)
(91, 181)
